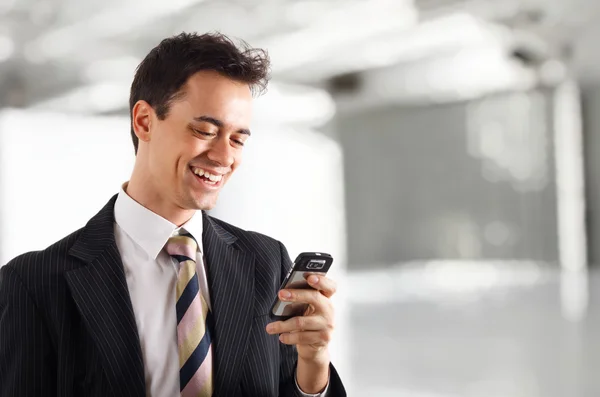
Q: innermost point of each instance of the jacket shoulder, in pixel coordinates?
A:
(51, 260)
(249, 239)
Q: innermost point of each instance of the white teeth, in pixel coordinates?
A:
(213, 178)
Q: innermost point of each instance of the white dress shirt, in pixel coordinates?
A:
(151, 276)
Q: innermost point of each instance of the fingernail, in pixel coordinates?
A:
(281, 338)
(270, 327)
(285, 294)
(313, 279)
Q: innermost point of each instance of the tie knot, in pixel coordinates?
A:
(183, 245)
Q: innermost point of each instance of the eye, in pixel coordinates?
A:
(207, 134)
(238, 142)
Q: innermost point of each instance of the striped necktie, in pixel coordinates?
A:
(193, 322)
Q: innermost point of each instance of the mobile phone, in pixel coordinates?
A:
(305, 265)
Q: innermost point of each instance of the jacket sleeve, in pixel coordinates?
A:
(289, 356)
(25, 347)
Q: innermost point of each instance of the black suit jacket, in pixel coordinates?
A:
(67, 326)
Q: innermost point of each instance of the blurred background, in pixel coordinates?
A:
(444, 151)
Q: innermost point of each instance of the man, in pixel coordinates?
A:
(151, 298)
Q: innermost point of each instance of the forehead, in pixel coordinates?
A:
(210, 91)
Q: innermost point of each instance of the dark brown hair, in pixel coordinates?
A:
(166, 69)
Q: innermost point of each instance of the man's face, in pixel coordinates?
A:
(194, 151)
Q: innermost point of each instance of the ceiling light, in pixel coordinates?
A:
(111, 22)
(338, 28)
(96, 98)
(437, 37)
(287, 104)
(122, 68)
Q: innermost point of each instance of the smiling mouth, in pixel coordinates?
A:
(207, 177)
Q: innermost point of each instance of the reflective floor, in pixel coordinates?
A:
(502, 330)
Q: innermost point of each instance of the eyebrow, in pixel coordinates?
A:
(220, 124)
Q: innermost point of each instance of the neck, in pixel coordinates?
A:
(142, 191)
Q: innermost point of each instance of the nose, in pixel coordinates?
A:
(221, 152)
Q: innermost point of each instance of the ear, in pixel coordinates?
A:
(141, 117)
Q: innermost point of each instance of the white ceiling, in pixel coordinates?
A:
(60, 45)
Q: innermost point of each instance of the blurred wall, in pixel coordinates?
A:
(461, 181)
(56, 172)
(591, 134)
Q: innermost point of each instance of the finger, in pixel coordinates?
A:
(306, 338)
(299, 323)
(310, 296)
(319, 303)
(321, 283)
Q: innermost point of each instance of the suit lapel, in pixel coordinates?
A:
(230, 273)
(100, 292)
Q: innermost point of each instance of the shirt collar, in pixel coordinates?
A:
(149, 230)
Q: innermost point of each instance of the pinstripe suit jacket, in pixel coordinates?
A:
(67, 326)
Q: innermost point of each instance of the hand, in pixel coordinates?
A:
(311, 332)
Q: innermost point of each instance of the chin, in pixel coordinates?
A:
(206, 207)
(205, 204)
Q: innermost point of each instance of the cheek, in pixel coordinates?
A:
(169, 162)
(237, 159)
(168, 157)
(162, 146)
